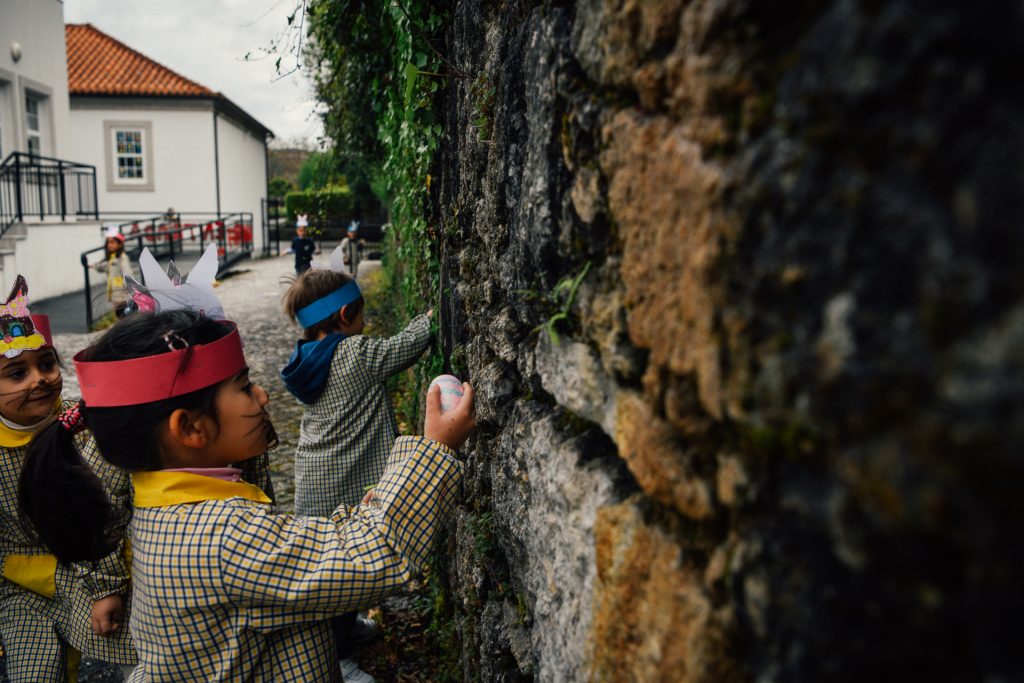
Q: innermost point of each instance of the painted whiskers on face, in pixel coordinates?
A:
(266, 424)
(266, 427)
(30, 384)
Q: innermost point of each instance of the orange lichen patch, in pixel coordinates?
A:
(655, 457)
(731, 479)
(101, 65)
(665, 199)
(652, 618)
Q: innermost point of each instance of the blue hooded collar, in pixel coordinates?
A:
(310, 363)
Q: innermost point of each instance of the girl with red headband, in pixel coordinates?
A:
(224, 587)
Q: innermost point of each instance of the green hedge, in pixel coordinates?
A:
(322, 205)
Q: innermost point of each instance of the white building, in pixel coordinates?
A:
(158, 139)
(91, 129)
(43, 201)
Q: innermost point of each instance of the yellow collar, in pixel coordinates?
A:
(159, 489)
(13, 438)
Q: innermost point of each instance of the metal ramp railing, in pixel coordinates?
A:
(180, 236)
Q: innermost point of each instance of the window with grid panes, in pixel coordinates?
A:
(128, 154)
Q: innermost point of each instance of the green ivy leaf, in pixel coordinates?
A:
(411, 73)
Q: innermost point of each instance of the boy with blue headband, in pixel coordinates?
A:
(348, 425)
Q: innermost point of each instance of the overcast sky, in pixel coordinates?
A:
(206, 41)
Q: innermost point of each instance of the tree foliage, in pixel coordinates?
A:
(350, 68)
(319, 171)
(380, 74)
(279, 187)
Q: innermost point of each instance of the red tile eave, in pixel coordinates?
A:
(101, 65)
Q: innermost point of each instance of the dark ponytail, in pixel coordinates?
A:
(61, 497)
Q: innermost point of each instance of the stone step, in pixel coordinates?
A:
(9, 241)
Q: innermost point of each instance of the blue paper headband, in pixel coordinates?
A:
(322, 308)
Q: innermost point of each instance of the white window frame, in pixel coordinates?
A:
(19, 134)
(34, 132)
(115, 182)
(6, 125)
(129, 156)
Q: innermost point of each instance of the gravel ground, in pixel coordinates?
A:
(252, 297)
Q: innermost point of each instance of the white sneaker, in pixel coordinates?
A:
(351, 673)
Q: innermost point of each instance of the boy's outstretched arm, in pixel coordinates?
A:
(385, 357)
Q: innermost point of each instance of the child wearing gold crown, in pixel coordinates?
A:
(51, 611)
(224, 587)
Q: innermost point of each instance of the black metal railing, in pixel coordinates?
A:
(182, 237)
(36, 186)
(275, 224)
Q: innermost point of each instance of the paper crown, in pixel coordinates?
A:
(106, 384)
(167, 292)
(22, 331)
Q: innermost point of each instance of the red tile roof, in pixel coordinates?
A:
(101, 65)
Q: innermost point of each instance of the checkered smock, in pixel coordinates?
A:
(347, 433)
(256, 471)
(227, 590)
(37, 627)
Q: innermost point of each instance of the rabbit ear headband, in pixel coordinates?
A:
(185, 368)
(168, 292)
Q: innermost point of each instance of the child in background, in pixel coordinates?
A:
(303, 247)
(116, 265)
(51, 612)
(351, 249)
(225, 589)
(348, 425)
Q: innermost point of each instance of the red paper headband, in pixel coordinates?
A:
(132, 382)
(41, 322)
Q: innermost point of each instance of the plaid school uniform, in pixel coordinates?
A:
(347, 432)
(227, 590)
(256, 471)
(45, 605)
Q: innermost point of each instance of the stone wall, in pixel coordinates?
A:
(776, 431)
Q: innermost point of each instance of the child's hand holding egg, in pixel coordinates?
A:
(451, 391)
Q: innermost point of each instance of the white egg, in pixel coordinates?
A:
(451, 391)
